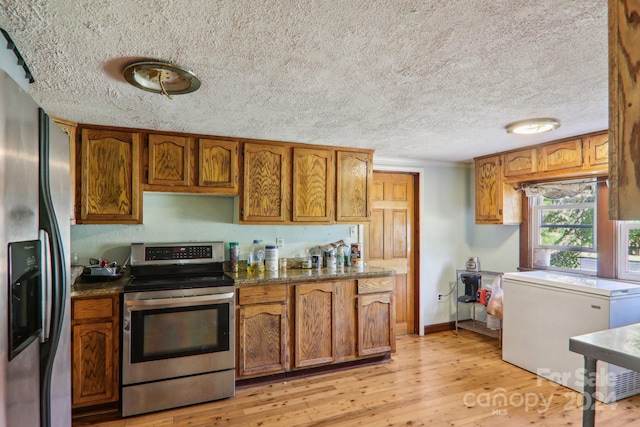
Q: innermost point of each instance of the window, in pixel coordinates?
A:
(629, 250)
(564, 226)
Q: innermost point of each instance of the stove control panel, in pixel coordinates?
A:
(176, 253)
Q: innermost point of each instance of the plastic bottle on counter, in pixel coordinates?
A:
(258, 256)
(234, 255)
(340, 257)
(252, 262)
(306, 259)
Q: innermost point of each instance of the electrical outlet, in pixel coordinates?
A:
(279, 242)
(441, 298)
(353, 232)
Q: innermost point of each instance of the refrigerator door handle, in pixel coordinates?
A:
(46, 283)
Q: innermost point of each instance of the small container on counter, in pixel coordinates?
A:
(271, 258)
(316, 261)
(234, 255)
(330, 259)
(356, 254)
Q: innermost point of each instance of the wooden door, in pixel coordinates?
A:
(391, 243)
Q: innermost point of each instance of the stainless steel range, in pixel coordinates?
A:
(178, 320)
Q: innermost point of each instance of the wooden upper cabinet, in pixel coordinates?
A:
(561, 155)
(354, 177)
(597, 151)
(265, 183)
(624, 110)
(218, 165)
(169, 160)
(313, 190)
(496, 202)
(520, 162)
(109, 163)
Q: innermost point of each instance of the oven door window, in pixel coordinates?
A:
(165, 333)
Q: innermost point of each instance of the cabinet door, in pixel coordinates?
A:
(265, 183)
(563, 155)
(376, 324)
(110, 177)
(262, 339)
(354, 175)
(94, 369)
(520, 162)
(314, 324)
(345, 320)
(597, 151)
(488, 190)
(218, 165)
(169, 160)
(312, 185)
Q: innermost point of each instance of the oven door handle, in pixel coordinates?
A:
(142, 304)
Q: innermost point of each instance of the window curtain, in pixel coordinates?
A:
(557, 190)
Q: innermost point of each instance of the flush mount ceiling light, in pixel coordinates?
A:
(532, 126)
(161, 77)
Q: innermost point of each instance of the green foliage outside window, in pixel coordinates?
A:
(570, 226)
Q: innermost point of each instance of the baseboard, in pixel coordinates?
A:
(439, 327)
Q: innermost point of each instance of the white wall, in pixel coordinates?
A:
(183, 218)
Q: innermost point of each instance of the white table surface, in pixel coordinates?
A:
(620, 346)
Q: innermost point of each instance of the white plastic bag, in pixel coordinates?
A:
(494, 306)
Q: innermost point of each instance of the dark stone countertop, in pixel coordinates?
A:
(306, 275)
(84, 288)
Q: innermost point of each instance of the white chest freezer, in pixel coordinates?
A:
(543, 309)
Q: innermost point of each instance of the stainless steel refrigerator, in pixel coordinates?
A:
(35, 344)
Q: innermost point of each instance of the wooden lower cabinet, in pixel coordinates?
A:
(262, 329)
(284, 327)
(376, 324)
(95, 350)
(295, 326)
(314, 324)
(262, 339)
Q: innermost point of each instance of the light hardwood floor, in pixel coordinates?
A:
(435, 380)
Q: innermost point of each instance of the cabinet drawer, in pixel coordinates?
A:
(376, 284)
(93, 308)
(256, 294)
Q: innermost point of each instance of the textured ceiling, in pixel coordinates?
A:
(434, 80)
